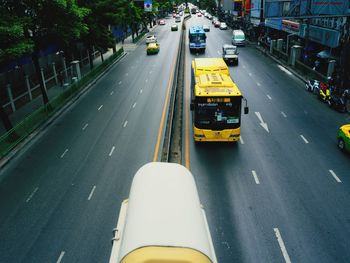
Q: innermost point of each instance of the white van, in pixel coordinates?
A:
(238, 38)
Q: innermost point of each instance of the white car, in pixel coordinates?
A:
(151, 39)
(206, 28)
(223, 26)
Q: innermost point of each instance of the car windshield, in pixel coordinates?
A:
(218, 115)
(197, 38)
(239, 36)
(230, 51)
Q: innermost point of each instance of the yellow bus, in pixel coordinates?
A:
(216, 103)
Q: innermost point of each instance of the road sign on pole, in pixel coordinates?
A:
(148, 5)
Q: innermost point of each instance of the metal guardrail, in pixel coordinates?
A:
(22, 130)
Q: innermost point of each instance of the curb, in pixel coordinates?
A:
(299, 76)
(39, 131)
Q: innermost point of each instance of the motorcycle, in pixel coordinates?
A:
(324, 92)
(312, 85)
(338, 102)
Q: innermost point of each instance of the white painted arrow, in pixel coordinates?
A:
(262, 123)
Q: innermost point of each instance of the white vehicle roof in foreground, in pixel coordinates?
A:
(164, 211)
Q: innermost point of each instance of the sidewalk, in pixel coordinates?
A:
(53, 91)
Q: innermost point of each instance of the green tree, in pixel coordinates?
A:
(47, 22)
(13, 45)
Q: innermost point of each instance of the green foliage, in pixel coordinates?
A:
(13, 44)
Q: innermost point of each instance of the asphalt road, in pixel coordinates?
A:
(61, 197)
(281, 194)
(278, 195)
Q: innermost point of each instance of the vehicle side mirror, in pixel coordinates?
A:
(192, 106)
(246, 110)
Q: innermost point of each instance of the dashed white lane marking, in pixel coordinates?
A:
(282, 246)
(241, 140)
(258, 84)
(112, 93)
(120, 82)
(60, 257)
(92, 192)
(335, 176)
(150, 72)
(243, 66)
(125, 123)
(99, 108)
(32, 194)
(64, 153)
(140, 91)
(219, 52)
(112, 150)
(85, 126)
(269, 97)
(283, 114)
(250, 74)
(146, 80)
(126, 74)
(133, 106)
(255, 177)
(304, 139)
(285, 70)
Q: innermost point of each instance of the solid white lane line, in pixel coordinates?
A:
(285, 70)
(99, 108)
(64, 153)
(120, 82)
(241, 140)
(304, 139)
(85, 126)
(112, 150)
(269, 97)
(283, 114)
(125, 123)
(92, 192)
(133, 106)
(32, 194)
(140, 91)
(60, 257)
(282, 246)
(112, 93)
(258, 84)
(255, 177)
(335, 176)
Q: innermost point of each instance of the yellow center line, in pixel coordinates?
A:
(161, 126)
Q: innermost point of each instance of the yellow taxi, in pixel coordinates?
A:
(152, 48)
(343, 137)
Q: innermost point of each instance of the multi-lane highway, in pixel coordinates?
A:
(281, 194)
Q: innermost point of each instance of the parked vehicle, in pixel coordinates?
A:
(338, 101)
(162, 22)
(238, 38)
(324, 92)
(223, 26)
(312, 85)
(343, 138)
